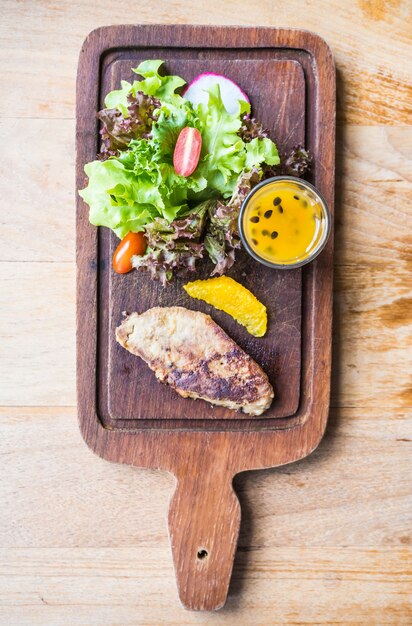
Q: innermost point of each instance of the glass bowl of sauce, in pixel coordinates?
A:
(284, 222)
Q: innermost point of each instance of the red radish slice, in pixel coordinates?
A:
(187, 151)
(231, 93)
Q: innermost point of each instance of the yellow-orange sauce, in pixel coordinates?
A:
(283, 222)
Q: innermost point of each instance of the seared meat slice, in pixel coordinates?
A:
(191, 353)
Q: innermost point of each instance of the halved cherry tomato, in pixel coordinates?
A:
(187, 151)
(133, 243)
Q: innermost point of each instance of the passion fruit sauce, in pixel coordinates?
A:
(283, 222)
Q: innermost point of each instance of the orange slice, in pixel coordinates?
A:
(229, 296)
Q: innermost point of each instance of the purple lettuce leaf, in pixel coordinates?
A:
(251, 129)
(296, 162)
(222, 235)
(174, 248)
(118, 131)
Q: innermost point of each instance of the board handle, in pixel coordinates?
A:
(204, 521)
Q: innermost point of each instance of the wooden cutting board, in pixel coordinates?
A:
(125, 414)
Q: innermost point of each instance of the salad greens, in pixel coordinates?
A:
(119, 129)
(222, 237)
(133, 186)
(174, 247)
(296, 162)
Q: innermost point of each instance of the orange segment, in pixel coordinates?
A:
(229, 296)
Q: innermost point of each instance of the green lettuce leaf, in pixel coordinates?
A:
(141, 183)
(223, 154)
(137, 185)
(261, 151)
(227, 149)
(156, 178)
(114, 200)
(162, 87)
(118, 98)
(165, 132)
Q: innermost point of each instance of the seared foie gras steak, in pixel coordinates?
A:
(191, 353)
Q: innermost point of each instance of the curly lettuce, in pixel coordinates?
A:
(153, 84)
(174, 248)
(251, 128)
(295, 162)
(114, 199)
(222, 235)
(118, 130)
(133, 185)
(224, 153)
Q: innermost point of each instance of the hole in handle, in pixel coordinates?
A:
(202, 554)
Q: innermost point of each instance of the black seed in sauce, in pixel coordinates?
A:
(255, 243)
(254, 219)
(280, 207)
(265, 233)
(269, 249)
(277, 201)
(305, 203)
(296, 232)
(268, 214)
(274, 234)
(296, 197)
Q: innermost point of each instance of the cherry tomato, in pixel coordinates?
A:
(187, 151)
(133, 243)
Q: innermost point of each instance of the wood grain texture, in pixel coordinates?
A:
(374, 89)
(40, 350)
(132, 391)
(372, 325)
(365, 589)
(295, 538)
(42, 227)
(326, 540)
(303, 504)
(372, 221)
(204, 527)
(372, 329)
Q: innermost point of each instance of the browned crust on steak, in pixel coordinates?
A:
(191, 353)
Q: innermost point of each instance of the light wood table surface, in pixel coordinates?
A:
(323, 541)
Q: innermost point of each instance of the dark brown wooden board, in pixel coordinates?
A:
(133, 391)
(125, 415)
